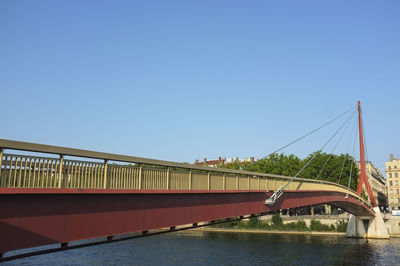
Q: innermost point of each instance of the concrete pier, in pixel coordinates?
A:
(367, 227)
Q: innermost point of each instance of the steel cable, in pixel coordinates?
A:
(347, 151)
(317, 152)
(337, 143)
(309, 133)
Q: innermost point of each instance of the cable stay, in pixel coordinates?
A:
(302, 137)
(334, 148)
(351, 165)
(365, 137)
(279, 192)
(347, 151)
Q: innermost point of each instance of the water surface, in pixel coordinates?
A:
(228, 248)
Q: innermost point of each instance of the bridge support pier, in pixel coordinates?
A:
(367, 227)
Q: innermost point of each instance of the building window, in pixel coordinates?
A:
(391, 191)
(395, 167)
(391, 183)
(391, 200)
(396, 183)
(396, 175)
(397, 191)
(390, 167)
(390, 175)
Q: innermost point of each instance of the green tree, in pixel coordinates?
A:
(364, 195)
(332, 168)
(327, 167)
(277, 219)
(279, 164)
(236, 165)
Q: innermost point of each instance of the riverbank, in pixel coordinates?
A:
(258, 231)
(276, 232)
(297, 225)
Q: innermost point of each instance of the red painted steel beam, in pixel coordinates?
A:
(363, 176)
(34, 217)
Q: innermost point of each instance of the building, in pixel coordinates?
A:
(223, 161)
(212, 163)
(392, 176)
(377, 183)
(237, 159)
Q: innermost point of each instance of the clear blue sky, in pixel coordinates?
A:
(184, 80)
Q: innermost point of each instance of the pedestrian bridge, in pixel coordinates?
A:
(51, 194)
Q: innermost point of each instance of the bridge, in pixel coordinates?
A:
(57, 195)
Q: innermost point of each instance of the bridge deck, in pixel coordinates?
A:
(73, 168)
(52, 194)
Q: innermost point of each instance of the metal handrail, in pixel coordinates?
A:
(58, 150)
(64, 151)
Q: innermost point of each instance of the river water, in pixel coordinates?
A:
(228, 248)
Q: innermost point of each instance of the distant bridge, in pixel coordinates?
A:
(51, 194)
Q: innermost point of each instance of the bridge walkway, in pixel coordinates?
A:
(51, 194)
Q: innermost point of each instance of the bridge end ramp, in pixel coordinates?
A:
(367, 227)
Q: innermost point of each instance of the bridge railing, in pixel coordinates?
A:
(30, 165)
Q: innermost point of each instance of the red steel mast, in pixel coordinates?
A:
(363, 175)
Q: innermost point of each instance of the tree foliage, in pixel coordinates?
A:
(236, 165)
(279, 164)
(327, 167)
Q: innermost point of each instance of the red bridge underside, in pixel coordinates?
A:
(35, 217)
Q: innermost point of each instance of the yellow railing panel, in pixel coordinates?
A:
(216, 182)
(179, 180)
(243, 183)
(230, 182)
(199, 181)
(254, 183)
(263, 184)
(128, 172)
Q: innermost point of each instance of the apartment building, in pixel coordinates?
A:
(393, 187)
(377, 183)
(223, 161)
